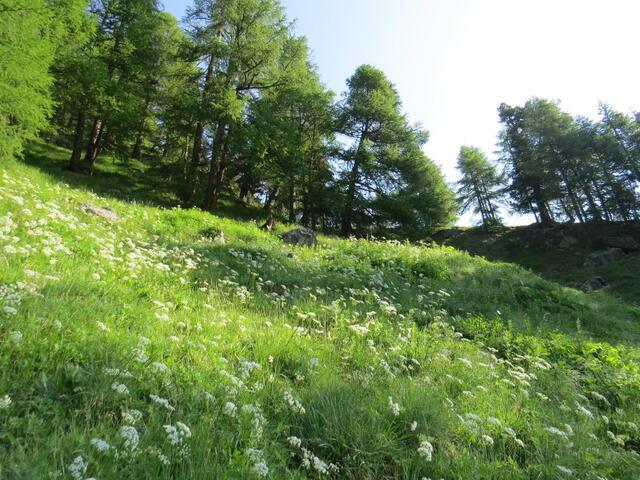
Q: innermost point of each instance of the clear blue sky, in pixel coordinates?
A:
(455, 61)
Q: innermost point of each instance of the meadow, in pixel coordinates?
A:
(174, 343)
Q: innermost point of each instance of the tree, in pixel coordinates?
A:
(122, 58)
(246, 47)
(31, 31)
(384, 162)
(292, 133)
(532, 145)
(480, 187)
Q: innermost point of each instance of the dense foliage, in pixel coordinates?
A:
(231, 104)
(561, 168)
(556, 167)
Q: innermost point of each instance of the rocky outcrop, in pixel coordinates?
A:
(593, 284)
(602, 258)
(624, 242)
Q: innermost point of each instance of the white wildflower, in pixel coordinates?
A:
(5, 402)
(177, 434)
(295, 404)
(100, 444)
(78, 468)
(555, 431)
(584, 411)
(294, 441)
(259, 464)
(160, 367)
(261, 468)
(230, 409)
(131, 416)
(120, 388)
(394, 407)
(566, 470)
(162, 401)
(600, 397)
(487, 440)
(425, 450)
(494, 421)
(414, 425)
(15, 336)
(101, 326)
(131, 437)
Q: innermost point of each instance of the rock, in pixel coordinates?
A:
(624, 242)
(593, 284)
(450, 233)
(300, 236)
(567, 241)
(103, 212)
(600, 259)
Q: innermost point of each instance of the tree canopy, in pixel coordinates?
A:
(229, 105)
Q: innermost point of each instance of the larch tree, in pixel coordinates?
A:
(31, 32)
(245, 47)
(384, 162)
(292, 134)
(481, 186)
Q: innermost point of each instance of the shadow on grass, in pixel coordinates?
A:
(149, 182)
(132, 182)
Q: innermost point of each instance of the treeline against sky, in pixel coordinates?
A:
(231, 105)
(557, 167)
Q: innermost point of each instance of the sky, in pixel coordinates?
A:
(454, 61)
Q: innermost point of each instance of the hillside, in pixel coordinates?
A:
(560, 253)
(169, 343)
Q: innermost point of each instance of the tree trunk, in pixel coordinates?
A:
(137, 148)
(567, 211)
(595, 212)
(602, 200)
(351, 190)
(577, 208)
(292, 203)
(216, 169)
(189, 192)
(543, 209)
(244, 191)
(74, 163)
(94, 144)
(269, 201)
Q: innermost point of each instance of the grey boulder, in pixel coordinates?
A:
(300, 236)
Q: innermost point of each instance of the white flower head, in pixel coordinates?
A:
(99, 444)
(425, 450)
(131, 437)
(78, 468)
(121, 388)
(394, 407)
(294, 441)
(5, 402)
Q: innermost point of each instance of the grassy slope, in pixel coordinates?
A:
(526, 247)
(251, 342)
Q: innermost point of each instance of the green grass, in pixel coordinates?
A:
(384, 359)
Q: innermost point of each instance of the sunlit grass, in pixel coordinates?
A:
(151, 348)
